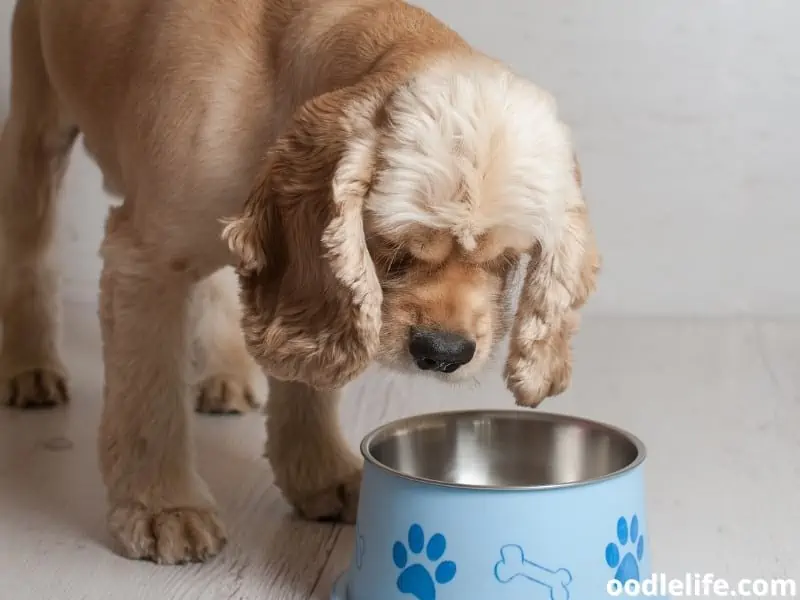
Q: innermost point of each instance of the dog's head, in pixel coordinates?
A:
(389, 223)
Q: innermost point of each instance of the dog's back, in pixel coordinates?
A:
(150, 84)
(185, 93)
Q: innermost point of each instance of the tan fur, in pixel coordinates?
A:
(540, 359)
(363, 169)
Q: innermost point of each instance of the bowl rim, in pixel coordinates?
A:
(641, 449)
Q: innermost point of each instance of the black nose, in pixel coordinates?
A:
(439, 350)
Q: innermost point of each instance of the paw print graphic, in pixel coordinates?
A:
(418, 580)
(626, 552)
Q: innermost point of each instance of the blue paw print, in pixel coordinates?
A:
(416, 579)
(627, 566)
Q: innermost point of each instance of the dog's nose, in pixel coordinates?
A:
(439, 350)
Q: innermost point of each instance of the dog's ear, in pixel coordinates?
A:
(310, 294)
(556, 286)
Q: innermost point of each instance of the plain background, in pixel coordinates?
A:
(685, 118)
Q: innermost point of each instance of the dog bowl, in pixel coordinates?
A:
(498, 505)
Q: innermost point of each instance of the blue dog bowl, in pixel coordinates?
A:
(499, 505)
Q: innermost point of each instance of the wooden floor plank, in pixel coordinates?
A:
(718, 395)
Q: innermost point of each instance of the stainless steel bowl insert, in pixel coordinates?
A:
(504, 450)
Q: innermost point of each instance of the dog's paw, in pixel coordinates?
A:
(334, 501)
(539, 370)
(169, 537)
(226, 395)
(35, 388)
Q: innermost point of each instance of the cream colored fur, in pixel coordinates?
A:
(520, 156)
(364, 170)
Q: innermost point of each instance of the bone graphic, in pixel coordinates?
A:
(513, 564)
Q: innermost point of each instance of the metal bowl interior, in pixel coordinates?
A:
(503, 450)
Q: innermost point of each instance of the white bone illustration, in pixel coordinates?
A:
(513, 564)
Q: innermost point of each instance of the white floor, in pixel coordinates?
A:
(687, 130)
(716, 402)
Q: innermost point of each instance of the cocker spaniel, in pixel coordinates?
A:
(375, 182)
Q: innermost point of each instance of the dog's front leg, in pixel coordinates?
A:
(227, 379)
(160, 509)
(314, 468)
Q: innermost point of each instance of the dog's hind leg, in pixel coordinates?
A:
(226, 378)
(34, 152)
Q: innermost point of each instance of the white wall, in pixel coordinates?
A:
(686, 118)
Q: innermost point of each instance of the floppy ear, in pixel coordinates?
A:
(310, 294)
(556, 285)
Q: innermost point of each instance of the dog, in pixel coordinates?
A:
(306, 187)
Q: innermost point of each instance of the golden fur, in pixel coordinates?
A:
(365, 171)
